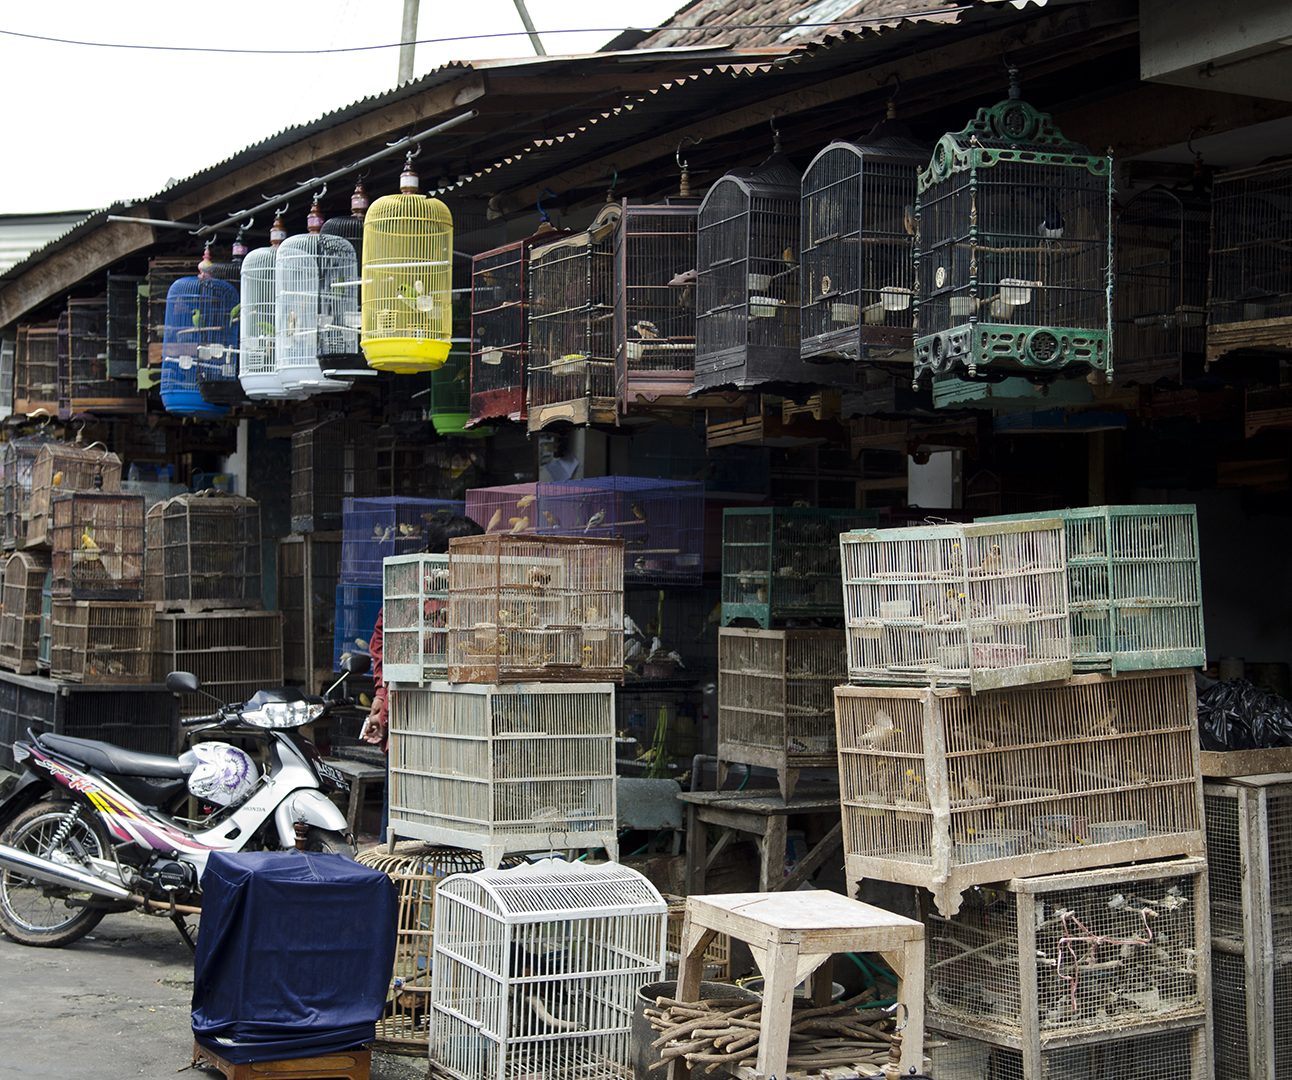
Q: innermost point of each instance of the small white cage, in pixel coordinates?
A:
(980, 606)
(536, 971)
(257, 359)
(415, 632)
(307, 312)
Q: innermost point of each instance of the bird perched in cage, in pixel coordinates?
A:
(788, 257)
(639, 564)
(595, 520)
(631, 629)
(638, 513)
(646, 330)
(524, 501)
(197, 317)
(633, 650)
(992, 562)
(539, 578)
(57, 479)
(551, 519)
(494, 519)
(412, 295)
(1051, 227)
(519, 524)
(87, 539)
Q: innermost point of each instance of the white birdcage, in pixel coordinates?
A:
(308, 268)
(497, 769)
(981, 606)
(415, 632)
(257, 358)
(536, 971)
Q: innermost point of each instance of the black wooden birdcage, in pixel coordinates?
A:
(122, 329)
(163, 272)
(332, 460)
(84, 385)
(499, 333)
(35, 368)
(1161, 303)
(203, 549)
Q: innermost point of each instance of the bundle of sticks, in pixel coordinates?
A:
(723, 1033)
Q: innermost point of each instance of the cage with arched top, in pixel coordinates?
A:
(258, 344)
(375, 529)
(24, 583)
(60, 468)
(122, 327)
(204, 550)
(19, 463)
(536, 970)
(97, 546)
(1014, 264)
(571, 364)
(339, 353)
(35, 368)
(307, 269)
(200, 347)
(84, 383)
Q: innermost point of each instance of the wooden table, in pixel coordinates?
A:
(765, 816)
(363, 778)
(791, 935)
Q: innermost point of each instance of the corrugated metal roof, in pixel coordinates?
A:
(21, 234)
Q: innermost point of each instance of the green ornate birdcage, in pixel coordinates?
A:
(1013, 253)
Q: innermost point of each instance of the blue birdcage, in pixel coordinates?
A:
(372, 529)
(200, 347)
(357, 608)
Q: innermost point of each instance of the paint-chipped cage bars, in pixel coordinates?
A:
(24, 583)
(35, 368)
(946, 789)
(981, 606)
(61, 468)
(415, 634)
(377, 528)
(535, 608)
(332, 461)
(97, 545)
(776, 699)
(233, 653)
(204, 548)
(85, 384)
(499, 332)
(536, 971)
(101, 641)
(499, 769)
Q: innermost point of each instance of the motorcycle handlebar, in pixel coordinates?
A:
(198, 721)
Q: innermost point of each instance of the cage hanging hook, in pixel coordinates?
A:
(544, 217)
(320, 193)
(776, 134)
(683, 143)
(614, 183)
(413, 151)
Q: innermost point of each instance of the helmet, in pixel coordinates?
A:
(219, 773)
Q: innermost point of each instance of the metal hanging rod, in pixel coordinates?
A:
(158, 223)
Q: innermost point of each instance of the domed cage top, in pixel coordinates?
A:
(84, 385)
(199, 346)
(306, 315)
(122, 346)
(19, 461)
(258, 354)
(339, 353)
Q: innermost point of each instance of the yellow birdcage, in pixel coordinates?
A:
(407, 281)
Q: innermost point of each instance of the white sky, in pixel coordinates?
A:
(84, 126)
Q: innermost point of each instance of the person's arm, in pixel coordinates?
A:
(374, 728)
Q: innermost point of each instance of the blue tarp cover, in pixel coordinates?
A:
(294, 954)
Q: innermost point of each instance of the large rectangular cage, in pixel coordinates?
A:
(375, 529)
(309, 567)
(332, 460)
(981, 606)
(781, 563)
(525, 608)
(163, 272)
(1249, 304)
(97, 546)
(570, 375)
(946, 789)
(1249, 857)
(498, 769)
(776, 699)
(85, 384)
(101, 641)
(1014, 265)
(24, 583)
(507, 508)
(857, 206)
(19, 459)
(1134, 586)
(354, 618)
(499, 332)
(537, 969)
(415, 626)
(61, 468)
(35, 368)
(204, 550)
(121, 348)
(233, 653)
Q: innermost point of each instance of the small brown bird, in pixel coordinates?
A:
(788, 257)
(908, 219)
(992, 561)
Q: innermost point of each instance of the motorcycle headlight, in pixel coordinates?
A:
(283, 714)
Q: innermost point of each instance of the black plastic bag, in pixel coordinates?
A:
(1239, 715)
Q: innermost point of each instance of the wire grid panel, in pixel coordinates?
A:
(775, 699)
(97, 545)
(46, 623)
(233, 653)
(508, 508)
(338, 346)
(355, 616)
(332, 461)
(35, 368)
(946, 789)
(305, 310)
(24, 582)
(497, 769)
(19, 467)
(204, 547)
(101, 641)
(308, 569)
(982, 606)
(499, 332)
(376, 529)
(84, 382)
(571, 366)
(200, 347)
(536, 970)
(717, 954)
(121, 347)
(857, 207)
(415, 600)
(61, 468)
(8, 346)
(258, 342)
(527, 607)
(1134, 586)
(781, 563)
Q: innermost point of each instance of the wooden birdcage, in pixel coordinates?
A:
(258, 342)
(375, 529)
(8, 346)
(308, 570)
(570, 375)
(526, 608)
(339, 353)
(1161, 302)
(776, 699)
(97, 546)
(122, 326)
(233, 653)
(199, 371)
(355, 615)
(947, 789)
(19, 465)
(61, 468)
(782, 563)
(1013, 265)
(332, 460)
(204, 551)
(101, 641)
(717, 955)
(308, 268)
(24, 583)
(84, 382)
(415, 602)
(35, 368)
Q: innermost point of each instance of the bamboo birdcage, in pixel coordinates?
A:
(101, 641)
(536, 970)
(97, 545)
(332, 460)
(308, 268)
(35, 368)
(19, 466)
(258, 345)
(415, 605)
(528, 608)
(199, 373)
(233, 653)
(339, 352)
(122, 345)
(947, 789)
(307, 574)
(61, 468)
(24, 583)
(375, 529)
(570, 375)
(203, 550)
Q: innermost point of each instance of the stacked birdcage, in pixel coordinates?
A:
(499, 331)
(332, 460)
(233, 653)
(101, 641)
(507, 508)
(24, 583)
(35, 368)
(122, 329)
(85, 384)
(415, 602)
(8, 345)
(97, 546)
(60, 469)
(19, 465)
(375, 529)
(204, 551)
(308, 570)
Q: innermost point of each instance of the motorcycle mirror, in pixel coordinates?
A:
(182, 682)
(355, 663)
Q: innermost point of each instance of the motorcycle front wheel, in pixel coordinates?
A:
(34, 912)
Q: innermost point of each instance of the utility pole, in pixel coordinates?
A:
(407, 38)
(528, 23)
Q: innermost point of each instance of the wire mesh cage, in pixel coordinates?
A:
(233, 653)
(507, 508)
(204, 550)
(946, 789)
(258, 341)
(8, 346)
(982, 606)
(450, 396)
(570, 375)
(46, 622)
(1250, 293)
(24, 583)
(1013, 262)
(163, 272)
(1249, 857)
(35, 368)
(339, 353)
(101, 641)
(307, 574)
(200, 347)
(782, 563)
(61, 468)
(122, 327)
(857, 207)
(355, 615)
(97, 546)
(535, 608)
(415, 599)
(1161, 301)
(19, 465)
(1134, 586)
(375, 529)
(332, 461)
(498, 769)
(776, 699)
(499, 332)
(306, 273)
(536, 970)
(85, 384)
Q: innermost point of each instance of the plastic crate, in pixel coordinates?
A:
(415, 632)
(356, 611)
(308, 568)
(101, 641)
(946, 789)
(375, 529)
(233, 653)
(25, 573)
(204, 551)
(97, 546)
(61, 468)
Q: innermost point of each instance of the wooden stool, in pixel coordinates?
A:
(363, 777)
(791, 935)
(342, 1065)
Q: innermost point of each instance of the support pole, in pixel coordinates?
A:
(407, 42)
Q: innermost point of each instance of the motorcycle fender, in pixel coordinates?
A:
(312, 807)
(28, 790)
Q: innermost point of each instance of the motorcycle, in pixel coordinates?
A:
(91, 828)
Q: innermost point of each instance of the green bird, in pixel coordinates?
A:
(233, 315)
(197, 316)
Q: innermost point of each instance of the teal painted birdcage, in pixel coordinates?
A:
(1134, 586)
(1013, 252)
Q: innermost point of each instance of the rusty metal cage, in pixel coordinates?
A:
(97, 546)
(308, 570)
(545, 608)
(946, 789)
(204, 550)
(499, 332)
(19, 464)
(35, 368)
(84, 382)
(121, 349)
(776, 699)
(24, 583)
(61, 468)
(233, 653)
(415, 602)
(570, 374)
(332, 461)
(101, 641)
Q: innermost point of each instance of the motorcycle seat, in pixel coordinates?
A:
(112, 759)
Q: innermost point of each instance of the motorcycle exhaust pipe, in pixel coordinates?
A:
(24, 862)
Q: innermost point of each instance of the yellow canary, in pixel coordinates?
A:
(58, 479)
